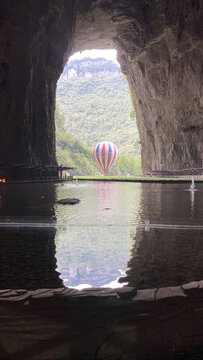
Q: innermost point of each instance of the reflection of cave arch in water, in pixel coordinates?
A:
(167, 257)
(160, 203)
(27, 257)
(95, 247)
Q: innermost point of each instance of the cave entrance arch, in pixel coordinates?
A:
(159, 51)
(93, 104)
(160, 72)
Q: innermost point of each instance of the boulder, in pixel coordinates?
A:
(68, 201)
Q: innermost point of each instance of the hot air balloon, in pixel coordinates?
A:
(105, 154)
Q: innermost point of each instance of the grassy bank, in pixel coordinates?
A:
(136, 179)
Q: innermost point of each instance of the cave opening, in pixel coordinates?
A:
(94, 104)
(159, 53)
(159, 47)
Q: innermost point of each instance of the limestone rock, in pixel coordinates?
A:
(160, 51)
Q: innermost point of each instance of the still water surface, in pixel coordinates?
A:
(104, 240)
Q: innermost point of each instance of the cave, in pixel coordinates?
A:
(159, 51)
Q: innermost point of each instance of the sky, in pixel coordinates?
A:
(107, 54)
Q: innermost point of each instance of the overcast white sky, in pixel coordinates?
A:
(107, 54)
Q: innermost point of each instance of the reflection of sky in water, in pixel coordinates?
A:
(103, 203)
(96, 238)
(95, 246)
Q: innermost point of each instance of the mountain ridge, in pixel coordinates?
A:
(89, 67)
(74, 153)
(97, 106)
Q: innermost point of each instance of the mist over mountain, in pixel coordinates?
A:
(94, 98)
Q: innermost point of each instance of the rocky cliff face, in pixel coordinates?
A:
(163, 66)
(159, 47)
(34, 38)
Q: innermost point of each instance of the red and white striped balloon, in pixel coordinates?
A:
(105, 153)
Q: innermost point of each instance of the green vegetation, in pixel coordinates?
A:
(94, 104)
(136, 179)
(97, 105)
(74, 153)
(70, 151)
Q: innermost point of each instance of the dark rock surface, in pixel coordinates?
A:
(159, 49)
(34, 38)
(100, 323)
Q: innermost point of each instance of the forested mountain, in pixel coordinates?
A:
(74, 153)
(96, 104)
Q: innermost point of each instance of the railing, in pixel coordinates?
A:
(183, 173)
(176, 176)
(145, 225)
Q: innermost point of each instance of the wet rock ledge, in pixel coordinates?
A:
(101, 323)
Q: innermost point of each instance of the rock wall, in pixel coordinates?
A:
(159, 49)
(163, 66)
(35, 37)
